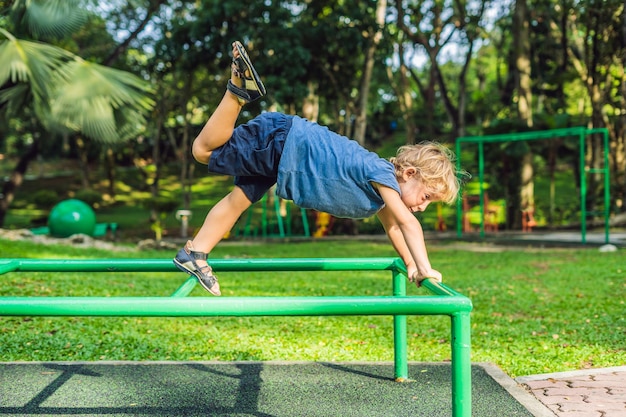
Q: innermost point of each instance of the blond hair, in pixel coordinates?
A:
(435, 165)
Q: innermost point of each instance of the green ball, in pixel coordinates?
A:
(71, 217)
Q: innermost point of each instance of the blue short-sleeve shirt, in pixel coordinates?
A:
(322, 170)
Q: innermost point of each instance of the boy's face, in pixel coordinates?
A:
(415, 195)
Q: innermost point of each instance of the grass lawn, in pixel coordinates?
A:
(535, 311)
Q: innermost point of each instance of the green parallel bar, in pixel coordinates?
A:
(222, 265)
(439, 288)
(461, 350)
(400, 341)
(9, 266)
(461, 365)
(446, 301)
(185, 289)
(232, 306)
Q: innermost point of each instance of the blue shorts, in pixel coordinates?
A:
(252, 154)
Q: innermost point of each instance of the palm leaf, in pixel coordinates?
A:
(103, 103)
(31, 63)
(49, 18)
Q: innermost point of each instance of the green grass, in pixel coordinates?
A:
(535, 311)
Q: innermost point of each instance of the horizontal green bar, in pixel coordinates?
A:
(232, 306)
(222, 265)
(439, 288)
(8, 266)
(540, 134)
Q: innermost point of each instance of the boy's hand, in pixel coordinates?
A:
(417, 277)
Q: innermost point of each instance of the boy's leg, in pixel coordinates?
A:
(216, 132)
(219, 128)
(220, 219)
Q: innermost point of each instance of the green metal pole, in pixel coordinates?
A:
(459, 200)
(222, 265)
(305, 223)
(607, 185)
(232, 306)
(185, 289)
(461, 365)
(279, 219)
(481, 176)
(583, 189)
(400, 353)
(10, 266)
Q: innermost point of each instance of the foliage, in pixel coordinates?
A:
(45, 199)
(523, 319)
(179, 54)
(162, 206)
(91, 197)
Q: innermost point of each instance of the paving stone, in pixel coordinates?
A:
(575, 391)
(601, 400)
(579, 406)
(580, 414)
(618, 391)
(599, 383)
(549, 383)
(554, 399)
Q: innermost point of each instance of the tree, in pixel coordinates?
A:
(64, 93)
(432, 26)
(522, 75)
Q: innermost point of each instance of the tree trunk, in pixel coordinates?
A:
(185, 171)
(156, 155)
(83, 160)
(311, 105)
(586, 54)
(524, 97)
(16, 179)
(152, 8)
(375, 38)
(110, 164)
(405, 100)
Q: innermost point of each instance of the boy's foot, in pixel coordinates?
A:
(185, 260)
(250, 87)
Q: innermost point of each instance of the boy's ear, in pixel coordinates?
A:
(409, 172)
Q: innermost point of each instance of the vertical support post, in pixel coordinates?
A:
(279, 218)
(305, 223)
(185, 289)
(461, 365)
(607, 185)
(264, 221)
(459, 200)
(401, 365)
(583, 189)
(481, 192)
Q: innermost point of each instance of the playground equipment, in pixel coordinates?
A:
(578, 132)
(183, 216)
(486, 212)
(282, 227)
(442, 301)
(70, 217)
(323, 224)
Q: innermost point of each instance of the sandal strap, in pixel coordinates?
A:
(199, 255)
(241, 93)
(240, 67)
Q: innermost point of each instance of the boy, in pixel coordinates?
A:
(317, 169)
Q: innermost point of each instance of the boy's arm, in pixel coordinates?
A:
(406, 235)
